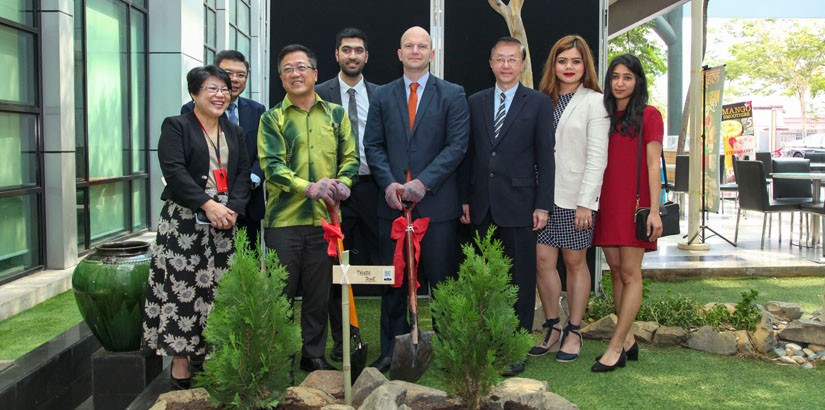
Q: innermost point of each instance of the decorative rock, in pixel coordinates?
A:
(798, 359)
(789, 311)
(645, 331)
(300, 398)
(731, 307)
(601, 329)
(786, 359)
(798, 353)
(807, 366)
(183, 399)
(388, 396)
(805, 331)
(811, 357)
(330, 381)
(743, 343)
(763, 338)
(669, 335)
(792, 347)
(779, 352)
(808, 351)
(708, 340)
(337, 407)
(820, 353)
(518, 393)
(816, 348)
(404, 407)
(422, 397)
(368, 381)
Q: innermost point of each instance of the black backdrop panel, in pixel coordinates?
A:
(472, 26)
(314, 23)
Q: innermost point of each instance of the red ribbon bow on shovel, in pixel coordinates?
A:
(399, 233)
(332, 234)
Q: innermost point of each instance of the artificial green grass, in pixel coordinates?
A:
(664, 377)
(26, 330)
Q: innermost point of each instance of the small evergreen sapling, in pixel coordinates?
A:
(251, 332)
(478, 333)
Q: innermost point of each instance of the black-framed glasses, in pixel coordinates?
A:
(300, 69)
(214, 89)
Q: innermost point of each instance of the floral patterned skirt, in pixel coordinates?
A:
(187, 262)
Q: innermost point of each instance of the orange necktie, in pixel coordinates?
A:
(412, 103)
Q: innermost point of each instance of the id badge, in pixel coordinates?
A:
(220, 180)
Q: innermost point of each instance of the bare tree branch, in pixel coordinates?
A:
(512, 16)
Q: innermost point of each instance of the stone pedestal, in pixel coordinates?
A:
(117, 378)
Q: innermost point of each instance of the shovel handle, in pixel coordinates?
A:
(333, 215)
(411, 275)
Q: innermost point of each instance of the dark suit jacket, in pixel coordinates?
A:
(500, 174)
(330, 90)
(432, 152)
(249, 114)
(184, 161)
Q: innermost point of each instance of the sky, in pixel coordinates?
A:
(765, 9)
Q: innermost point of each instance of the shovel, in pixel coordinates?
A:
(413, 351)
(357, 347)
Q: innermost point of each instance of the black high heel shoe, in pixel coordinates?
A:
(562, 356)
(600, 367)
(550, 324)
(633, 352)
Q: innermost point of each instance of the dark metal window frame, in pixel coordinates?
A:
(206, 46)
(38, 189)
(85, 184)
(239, 32)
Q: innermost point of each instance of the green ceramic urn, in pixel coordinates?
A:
(110, 289)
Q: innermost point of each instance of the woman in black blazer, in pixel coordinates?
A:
(206, 170)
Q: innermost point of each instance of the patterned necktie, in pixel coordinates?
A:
(499, 116)
(412, 103)
(352, 110)
(232, 113)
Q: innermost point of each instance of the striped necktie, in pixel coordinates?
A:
(232, 113)
(499, 116)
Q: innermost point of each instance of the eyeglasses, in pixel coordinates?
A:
(509, 61)
(239, 75)
(214, 89)
(300, 69)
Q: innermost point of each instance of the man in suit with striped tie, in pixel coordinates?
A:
(507, 177)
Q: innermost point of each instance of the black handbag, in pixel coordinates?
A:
(669, 212)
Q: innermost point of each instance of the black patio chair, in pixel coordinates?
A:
(753, 196)
(792, 191)
(726, 186)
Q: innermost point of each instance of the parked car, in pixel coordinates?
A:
(814, 143)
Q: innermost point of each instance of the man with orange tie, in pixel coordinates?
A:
(416, 137)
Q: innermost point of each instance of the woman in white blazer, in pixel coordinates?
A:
(581, 156)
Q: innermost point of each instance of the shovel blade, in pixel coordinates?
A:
(409, 361)
(358, 356)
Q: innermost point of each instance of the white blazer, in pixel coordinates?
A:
(581, 151)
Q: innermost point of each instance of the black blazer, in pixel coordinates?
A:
(330, 90)
(514, 174)
(432, 151)
(184, 161)
(249, 115)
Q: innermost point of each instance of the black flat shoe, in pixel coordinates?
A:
(181, 384)
(514, 369)
(337, 353)
(315, 363)
(564, 357)
(382, 364)
(600, 367)
(550, 324)
(633, 352)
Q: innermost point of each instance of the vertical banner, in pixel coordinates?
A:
(737, 135)
(714, 81)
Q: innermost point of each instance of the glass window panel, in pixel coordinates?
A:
(211, 27)
(210, 3)
(20, 241)
(233, 12)
(138, 84)
(139, 204)
(18, 11)
(107, 112)
(82, 235)
(244, 46)
(208, 55)
(18, 143)
(17, 54)
(141, 3)
(107, 210)
(79, 95)
(243, 17)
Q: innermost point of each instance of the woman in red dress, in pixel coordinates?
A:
(625, 99)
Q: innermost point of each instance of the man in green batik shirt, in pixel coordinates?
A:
(307, 152)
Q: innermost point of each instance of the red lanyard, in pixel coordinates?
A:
(205, 134)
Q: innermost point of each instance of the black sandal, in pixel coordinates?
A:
(550, 324)
(562, 356)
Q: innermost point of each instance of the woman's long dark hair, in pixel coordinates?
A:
(628, 124)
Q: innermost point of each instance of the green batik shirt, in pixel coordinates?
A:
(297, 148)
